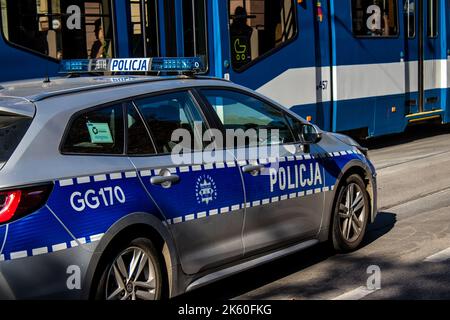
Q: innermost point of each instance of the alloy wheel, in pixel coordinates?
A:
(132, 276)
(352, 212)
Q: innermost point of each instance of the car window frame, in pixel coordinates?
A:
(143, 155)
(188, 89)
(220, 125)
(197, 105)
(79, 113)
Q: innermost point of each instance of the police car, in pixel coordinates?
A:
(146, 187)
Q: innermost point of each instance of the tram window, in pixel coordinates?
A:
(375, 18)
(432, 18)
(259, 26)
(410, 18)
(61, 29)
(143, 18)
(194, 24)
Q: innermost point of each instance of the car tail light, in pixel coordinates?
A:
(15, 204)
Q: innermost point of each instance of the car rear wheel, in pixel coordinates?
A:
(133, 273)
(351, 215)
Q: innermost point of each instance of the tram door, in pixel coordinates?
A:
(423, 55)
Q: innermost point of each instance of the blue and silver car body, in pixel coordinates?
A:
(216, 221)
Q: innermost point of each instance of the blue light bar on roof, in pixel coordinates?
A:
(177, 64)
(133, 65)
(74, 66)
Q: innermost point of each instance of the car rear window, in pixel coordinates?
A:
(99, 131)
(12, 130)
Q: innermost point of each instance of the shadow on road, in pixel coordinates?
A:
(413, 133)
(253, 279)
(384, 223)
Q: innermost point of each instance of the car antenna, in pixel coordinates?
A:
(47, 78)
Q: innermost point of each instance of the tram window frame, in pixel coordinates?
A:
(154, 24)
(436, 20)
(272, 51)
(206, 35)
(113, 39)
(375, 37)
(407, 20)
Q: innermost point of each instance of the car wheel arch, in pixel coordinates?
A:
(361, 169)
(135, 225)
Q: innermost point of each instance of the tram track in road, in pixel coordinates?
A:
(421, 197)
(412, 160)
(411, 171)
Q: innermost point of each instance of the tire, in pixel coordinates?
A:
(147, 285)
(343, 239)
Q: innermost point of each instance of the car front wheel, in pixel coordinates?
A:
(351, 215)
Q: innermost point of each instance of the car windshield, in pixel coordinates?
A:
(12, 130)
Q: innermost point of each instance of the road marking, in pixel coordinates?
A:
(441, 256)
(356, 294)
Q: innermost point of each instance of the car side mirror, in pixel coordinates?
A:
(310, 134)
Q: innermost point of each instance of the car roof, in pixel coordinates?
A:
(38, 89)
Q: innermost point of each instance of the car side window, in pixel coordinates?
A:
(170, 117)
(246, 115)
(138, 139)
(99, 131)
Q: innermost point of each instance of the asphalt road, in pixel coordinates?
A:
(409, 241)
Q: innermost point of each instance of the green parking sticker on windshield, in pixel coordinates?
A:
(100, 132)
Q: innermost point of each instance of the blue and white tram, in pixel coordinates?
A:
(369, 67)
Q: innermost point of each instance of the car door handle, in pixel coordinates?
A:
(253, 168)
(165, 181)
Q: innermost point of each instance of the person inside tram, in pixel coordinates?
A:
(241, 34)
(98, 47)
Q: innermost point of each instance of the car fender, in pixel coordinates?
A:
(370, 175)
(134, 219)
